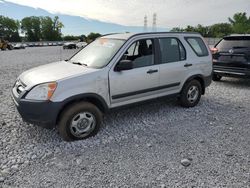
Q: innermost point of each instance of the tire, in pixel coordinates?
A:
(192, 87)
(216, 77)
(79, 121)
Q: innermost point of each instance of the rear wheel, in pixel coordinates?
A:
(191, 93)
(216, 77)
(79, 121)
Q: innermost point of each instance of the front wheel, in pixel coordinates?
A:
(79, 121)
(191, 94)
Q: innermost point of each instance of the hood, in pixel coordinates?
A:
(52, 72)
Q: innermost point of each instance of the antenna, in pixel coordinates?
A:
(145, 23)
(154, 23)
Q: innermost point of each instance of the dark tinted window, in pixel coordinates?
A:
(197, 45)
(141, 53)
(171, 50)
(233, 42)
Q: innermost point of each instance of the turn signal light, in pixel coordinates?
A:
(52, 88)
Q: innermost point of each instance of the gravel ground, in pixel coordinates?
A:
(158, 144)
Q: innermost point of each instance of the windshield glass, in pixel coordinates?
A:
(98, 53)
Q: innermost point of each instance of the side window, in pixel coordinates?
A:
(171, 50)
(133, 50)
(198, 46)
(141, 53)
(182, 52)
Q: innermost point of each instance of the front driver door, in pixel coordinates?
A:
(139, 83)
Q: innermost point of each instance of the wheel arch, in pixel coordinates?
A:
(199, 78)
(93, 98)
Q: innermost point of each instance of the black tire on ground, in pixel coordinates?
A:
(185, 100)
(70, 112)
(216, 77)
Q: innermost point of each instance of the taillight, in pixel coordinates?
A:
(214, 50)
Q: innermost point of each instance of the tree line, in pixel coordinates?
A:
(34, 28)
(239, 24)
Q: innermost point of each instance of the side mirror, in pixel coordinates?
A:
(124, 65)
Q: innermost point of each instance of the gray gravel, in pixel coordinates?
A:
(141, 146)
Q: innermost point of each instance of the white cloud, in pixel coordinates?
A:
(170, 13)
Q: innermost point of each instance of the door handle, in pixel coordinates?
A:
(188, 65)
(151, 71)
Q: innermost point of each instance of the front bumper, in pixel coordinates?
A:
(41, 113)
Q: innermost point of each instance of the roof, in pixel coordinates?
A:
(239, 35)
(126, 36)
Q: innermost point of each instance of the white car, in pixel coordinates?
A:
(113, 71)
(81, 44)
(19, 46)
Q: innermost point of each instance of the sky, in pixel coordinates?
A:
(170, 13)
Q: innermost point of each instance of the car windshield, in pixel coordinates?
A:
(98, 53)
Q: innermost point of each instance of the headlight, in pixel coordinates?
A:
(42, 91)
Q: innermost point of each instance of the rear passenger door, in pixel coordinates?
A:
(173, 65)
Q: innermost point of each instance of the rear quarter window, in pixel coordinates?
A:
(197, 45)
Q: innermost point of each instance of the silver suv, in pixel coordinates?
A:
(113, 71)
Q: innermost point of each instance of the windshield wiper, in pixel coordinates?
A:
(79, 63)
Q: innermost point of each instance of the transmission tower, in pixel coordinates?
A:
(145, 23)
(154, 22)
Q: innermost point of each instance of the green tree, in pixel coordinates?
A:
(9, 29)
(93, 36)
(42, 28)
(203, 30)
(31, 26)
(240, 23)
(70, 38)
(51, 29)
(190, 28)
(47, 28)
(221, 29)
(177, 29)
(83, 38)
(57, 26)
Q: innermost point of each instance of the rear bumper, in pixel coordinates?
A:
(207, 80)
(41, 113)
(231, 72)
